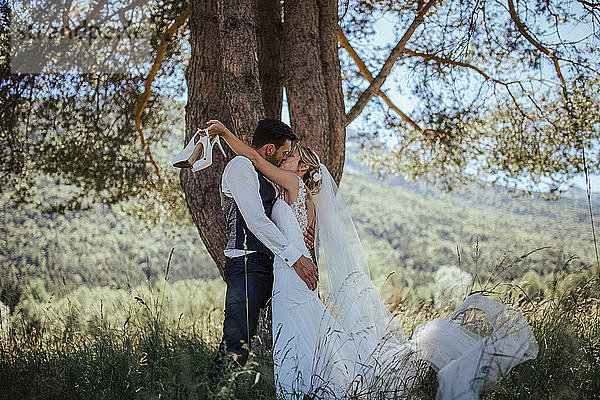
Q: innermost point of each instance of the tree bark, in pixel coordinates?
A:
(240, 66)
(328, 23)
(269, 32)
(303, 76)
(241, 84)
(205, 101)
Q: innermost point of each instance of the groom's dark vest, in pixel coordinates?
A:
(238, 234)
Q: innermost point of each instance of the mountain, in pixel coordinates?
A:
(422, 228)
(408, 230)
(580, 194)
(353, 165)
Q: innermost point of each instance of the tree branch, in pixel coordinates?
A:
(148, 84)
(588, 3)
(524, 31)
(446, 60)
(387, 66)
(368, 76)
(65, 17)
(96, 11)
(449, 61)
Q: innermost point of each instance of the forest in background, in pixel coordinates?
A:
(408, 232)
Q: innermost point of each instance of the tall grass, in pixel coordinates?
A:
(158, 341)
(62, 349)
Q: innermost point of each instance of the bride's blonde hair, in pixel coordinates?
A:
(312, 177)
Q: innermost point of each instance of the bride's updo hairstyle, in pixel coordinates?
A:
(312, 177)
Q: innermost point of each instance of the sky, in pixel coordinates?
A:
(384, 35)
(406, 104)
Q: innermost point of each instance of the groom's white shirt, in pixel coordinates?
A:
(240, 181)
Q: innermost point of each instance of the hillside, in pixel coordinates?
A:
(404, 228)
(407, 229)
(99, 247)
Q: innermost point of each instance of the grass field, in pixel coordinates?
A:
(158, 340)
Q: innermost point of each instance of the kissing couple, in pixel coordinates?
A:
(285, 217)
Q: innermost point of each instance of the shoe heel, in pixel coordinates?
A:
(206, 161)
(218, 140)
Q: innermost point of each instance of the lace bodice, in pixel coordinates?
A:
(299, 206)
(292, 219)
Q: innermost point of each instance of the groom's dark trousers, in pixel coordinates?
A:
(249, 282)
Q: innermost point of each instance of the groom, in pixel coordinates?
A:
(253, 240)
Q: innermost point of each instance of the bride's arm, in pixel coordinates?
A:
(287, 179)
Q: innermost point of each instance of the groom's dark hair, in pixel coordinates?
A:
(272, 131)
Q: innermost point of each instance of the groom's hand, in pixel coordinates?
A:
(307, 271)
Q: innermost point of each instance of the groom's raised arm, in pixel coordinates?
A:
(240, 181)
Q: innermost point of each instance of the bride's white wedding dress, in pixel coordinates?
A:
(305, 336)
(354, 347)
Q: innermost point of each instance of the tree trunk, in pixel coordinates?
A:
(313, 80)
(241, 84)
(303, 75)
(229, 46)
(328, 23)
(269, 32)
(240, 66)
(206, 100)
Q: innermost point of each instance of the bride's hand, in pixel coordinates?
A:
(216, 127)
(309, 238)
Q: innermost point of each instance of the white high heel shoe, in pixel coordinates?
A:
(206, 160)
(186, 157)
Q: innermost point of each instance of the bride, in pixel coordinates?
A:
(349, 345)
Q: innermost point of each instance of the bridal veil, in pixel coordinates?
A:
(476, 345)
